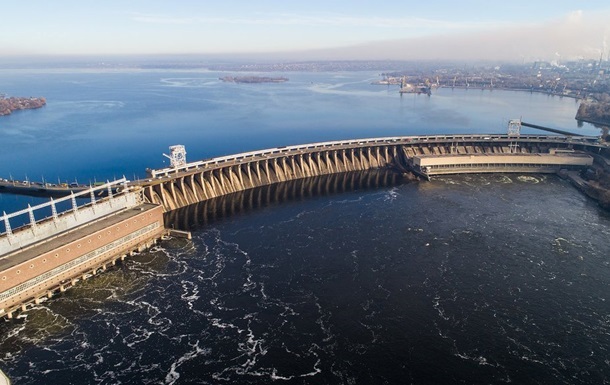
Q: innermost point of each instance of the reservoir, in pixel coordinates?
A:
(464, 279)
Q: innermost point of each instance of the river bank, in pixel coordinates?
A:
(529, 90)
(595, 112)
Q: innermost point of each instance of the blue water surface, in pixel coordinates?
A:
(100, 126)
(465, 279)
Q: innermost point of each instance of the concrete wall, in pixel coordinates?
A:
(35, 276)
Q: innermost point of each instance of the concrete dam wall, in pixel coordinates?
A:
(207, 212)
(195, 182)
(242, 175)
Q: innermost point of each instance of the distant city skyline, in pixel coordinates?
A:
(314, 30)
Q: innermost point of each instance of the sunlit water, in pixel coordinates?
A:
(465, 279)
(98, 126)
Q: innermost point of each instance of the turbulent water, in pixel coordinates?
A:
(361, 278)
(469, 279)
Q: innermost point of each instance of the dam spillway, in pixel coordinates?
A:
(208, 212)
(190, 183)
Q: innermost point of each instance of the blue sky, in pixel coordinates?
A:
(60, 27)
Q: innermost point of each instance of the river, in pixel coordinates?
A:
(357, 278)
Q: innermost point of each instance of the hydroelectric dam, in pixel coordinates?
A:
(183, 183)
(42, 255)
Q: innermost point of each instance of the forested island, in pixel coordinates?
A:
(253, 79)
(10, 104)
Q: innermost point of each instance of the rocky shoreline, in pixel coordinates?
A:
(594, 182)
(10, 104)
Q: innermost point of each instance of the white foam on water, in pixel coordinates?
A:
(528, 179)
(316, 370)
(190, 294)
(188, 82)
(173, 374)
(391, 195)
(479, 359)
(336, 89)
(504, 179)
(84, 105)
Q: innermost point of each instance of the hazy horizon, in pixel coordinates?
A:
(336, 30)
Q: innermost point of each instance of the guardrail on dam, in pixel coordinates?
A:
(188, 183)
(48, 255)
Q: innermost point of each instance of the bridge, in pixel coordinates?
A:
(48, 255)
(183, 183)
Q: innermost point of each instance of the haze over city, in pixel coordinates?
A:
(314, 30)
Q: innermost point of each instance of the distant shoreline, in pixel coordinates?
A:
(577, 97)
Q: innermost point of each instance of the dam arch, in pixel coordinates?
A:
(194, 182)
(208, 211)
